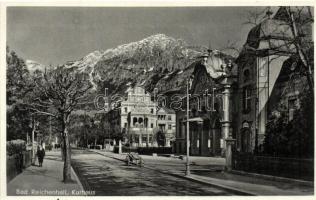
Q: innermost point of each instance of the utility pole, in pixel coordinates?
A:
(85, 129)
(187, 171)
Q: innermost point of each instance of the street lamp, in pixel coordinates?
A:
(227, 80)
(187, 171)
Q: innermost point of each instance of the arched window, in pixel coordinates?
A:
(245, 140)
(134, 120)
(246, 99)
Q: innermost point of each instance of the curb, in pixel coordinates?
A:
(75, 176)
(274, 178)
(234, 190)
(83, 183)
(78, 180)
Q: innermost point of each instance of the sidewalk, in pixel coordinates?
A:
(44, 181)
(211, 174)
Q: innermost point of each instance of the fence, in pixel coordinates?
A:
(145, 150)
(276, 166)
(16, 163)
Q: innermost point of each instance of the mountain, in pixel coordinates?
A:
(142, 62)
(32, 66)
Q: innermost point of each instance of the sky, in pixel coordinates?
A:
(55, 35)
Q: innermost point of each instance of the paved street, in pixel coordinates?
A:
(108, 176)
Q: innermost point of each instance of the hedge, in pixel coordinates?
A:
(144, 150)
(15, 147)
(125, 149)
(151, 150)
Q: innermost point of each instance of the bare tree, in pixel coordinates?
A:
(231, 48)
(294, 30)
(300, 38)
(59, 92)
(253, 18)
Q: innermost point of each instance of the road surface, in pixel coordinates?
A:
(110, 177)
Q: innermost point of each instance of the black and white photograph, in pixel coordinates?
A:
(158, 100)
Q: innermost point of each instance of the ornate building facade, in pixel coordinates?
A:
(205, 105)
(268, 76)
(135, 116)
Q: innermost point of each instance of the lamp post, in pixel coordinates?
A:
(227, 80)
(187, 171)
(35, 124)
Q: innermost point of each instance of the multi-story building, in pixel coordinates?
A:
(268, 76)
(135, 116)
(205, 104)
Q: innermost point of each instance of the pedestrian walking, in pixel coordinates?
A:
(40, 155)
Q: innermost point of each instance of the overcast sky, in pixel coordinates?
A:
(54, 35)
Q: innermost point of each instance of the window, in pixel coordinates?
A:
(169, 117)
(246, 99)
(125, 125)
(151, 125)
(152, 111)
(169, 126)
(134, 121)
(125, 110)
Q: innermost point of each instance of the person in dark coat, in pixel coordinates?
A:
(40, 155)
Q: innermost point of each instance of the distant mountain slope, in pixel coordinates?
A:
(32, 66)
(142, 62)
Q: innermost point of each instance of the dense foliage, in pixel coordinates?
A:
(293, 138)
(18, 85)
(15, 147)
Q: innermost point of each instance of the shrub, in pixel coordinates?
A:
(125, 149)
(151, 150)
(15, 147)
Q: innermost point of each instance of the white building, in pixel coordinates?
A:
(136, 117)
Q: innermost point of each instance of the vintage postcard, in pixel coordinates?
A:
(169, 99)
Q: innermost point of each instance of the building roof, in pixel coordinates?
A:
(275, 36)
(270, 34)
(176, 80)
(167, 110)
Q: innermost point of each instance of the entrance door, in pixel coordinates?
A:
(245, 140)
